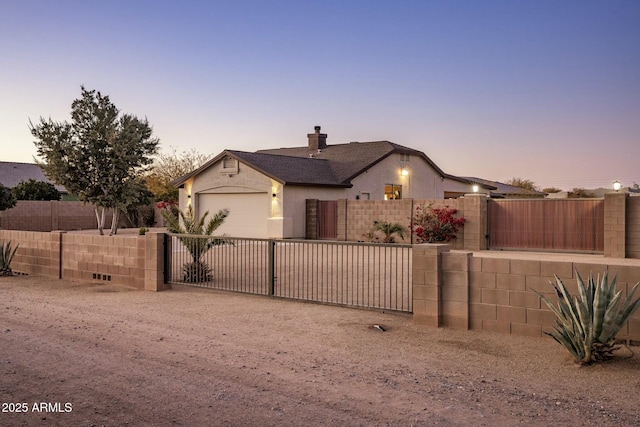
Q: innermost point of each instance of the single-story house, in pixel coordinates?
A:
(265, 191)
(12, 173)
(454, 188)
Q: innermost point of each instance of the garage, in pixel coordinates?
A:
(248, 212)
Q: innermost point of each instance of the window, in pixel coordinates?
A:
(392, 192)
(404, 158)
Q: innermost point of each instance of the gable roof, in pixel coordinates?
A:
(12, 173)
(333, 165)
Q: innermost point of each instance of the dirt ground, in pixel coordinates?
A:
(103, 355)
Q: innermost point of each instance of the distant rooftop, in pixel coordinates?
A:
(12, 173)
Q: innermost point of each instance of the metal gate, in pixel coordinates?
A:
(350, 274)
(570, 225)
(327, 219)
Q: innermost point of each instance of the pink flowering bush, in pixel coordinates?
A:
(433, 225)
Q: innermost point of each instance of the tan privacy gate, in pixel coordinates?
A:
(571, 225)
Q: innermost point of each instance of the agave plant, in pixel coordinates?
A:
(586, 325)
(188, 223)
(6, 256)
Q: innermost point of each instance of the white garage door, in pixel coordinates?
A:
(248, 213)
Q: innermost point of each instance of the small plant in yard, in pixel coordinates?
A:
(389, 231)
(142, 231)
(187, 223)
(6, 256)
(432, 225)
(586, 325)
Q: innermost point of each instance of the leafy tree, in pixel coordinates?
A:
(203, 240)
(523, 183)
(167, 167)
(551, 190)
(99, 155)
(7, 199)
(35, 190)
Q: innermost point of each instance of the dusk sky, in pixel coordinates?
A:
(542, 90)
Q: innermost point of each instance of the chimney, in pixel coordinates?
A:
(317, 140)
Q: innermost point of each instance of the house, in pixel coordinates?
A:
(497, 190)
(12, 173)
(266, 191)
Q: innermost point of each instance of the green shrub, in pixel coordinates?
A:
(6, 256)
(586, 325)
(388, 230)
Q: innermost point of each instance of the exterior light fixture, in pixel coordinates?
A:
(404, 172)
(475, 188)
(617, 186)
(188, 196)
(274, 195)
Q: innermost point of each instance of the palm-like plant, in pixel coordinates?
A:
(6, 256)
(203, 240)
(587, 325)
(389, 229)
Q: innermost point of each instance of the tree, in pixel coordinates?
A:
(523, 183)
(35, 190)
(167, 167)
(99, 155)
(7, 199)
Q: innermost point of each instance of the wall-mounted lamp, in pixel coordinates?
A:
(475, 188)
(617, 186)
(404, 171)
(274, 195)
(188, 196)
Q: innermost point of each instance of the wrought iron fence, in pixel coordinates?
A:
(344, 273)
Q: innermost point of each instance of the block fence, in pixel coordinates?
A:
(135, 261)
(356, 217)
(491, 291)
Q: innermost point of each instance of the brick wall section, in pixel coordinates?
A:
(474, 209)
(632, 234)
(615, 225)
(359, 216)
(135, 261)
(311, 225)
(38, 253)
(496, 293)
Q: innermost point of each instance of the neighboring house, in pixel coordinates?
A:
(266, 191)
(494, 189)
(12, 173)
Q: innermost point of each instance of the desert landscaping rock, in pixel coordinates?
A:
(197, 357)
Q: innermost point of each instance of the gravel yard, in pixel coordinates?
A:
(82, 354)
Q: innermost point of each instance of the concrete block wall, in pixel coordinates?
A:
(493, 292)
(632, 235)
(361, 214)
(49, 215)
(38, 252)
(135, 261)
(615, 214)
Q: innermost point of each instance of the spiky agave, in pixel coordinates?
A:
(6, 256)
(587, 324)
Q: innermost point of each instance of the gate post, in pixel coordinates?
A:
(272, 269)
(615, 225)
(427, 283)
(475, 227)
(154, 262)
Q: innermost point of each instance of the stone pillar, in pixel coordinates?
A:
(427, 283)
(154, 262)
(454, 306)
(474, 208)
(615, 225)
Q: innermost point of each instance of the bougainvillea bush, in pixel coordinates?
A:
(433, 225)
